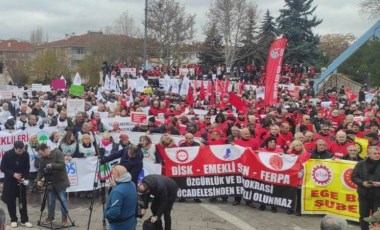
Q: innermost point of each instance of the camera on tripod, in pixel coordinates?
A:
(48, 175)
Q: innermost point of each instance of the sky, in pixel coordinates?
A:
(58, 18)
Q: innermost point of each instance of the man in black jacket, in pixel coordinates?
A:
(15, 165)
(320, 151)
(164, 189)
(366, 175)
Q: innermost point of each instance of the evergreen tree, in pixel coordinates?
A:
(248, 52)
(211, 53)
(267, 34)
(296, 22)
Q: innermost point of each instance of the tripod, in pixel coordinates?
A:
(45, 196)
(100, 177)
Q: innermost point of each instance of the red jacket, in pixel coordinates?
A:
(250, 143)
(338, 150)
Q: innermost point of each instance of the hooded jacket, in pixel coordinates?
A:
(121, 205)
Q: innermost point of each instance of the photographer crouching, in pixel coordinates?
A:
(15, 165)
(53, 169)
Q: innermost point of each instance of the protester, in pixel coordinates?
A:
(353, 154)
(297, 148)
(33, 161)
(131, 158)
(121, 205)
(53, 162)
(164, 189)
(68, 145)
(366, 175)
(333, 223)
(15, 166)
(320, 151)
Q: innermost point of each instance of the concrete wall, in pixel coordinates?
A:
(339, 80)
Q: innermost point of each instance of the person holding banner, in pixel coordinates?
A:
(297, 148)
(366, 175)
(270, 145)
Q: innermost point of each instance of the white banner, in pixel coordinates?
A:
(83, 173)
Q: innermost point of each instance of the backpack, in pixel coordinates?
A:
(147, 225)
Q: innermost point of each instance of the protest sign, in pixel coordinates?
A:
(37, 87)
(328, 189)
(57, 84)
(76, 90)
(139, 118)
(74, 106)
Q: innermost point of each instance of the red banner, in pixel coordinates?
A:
(275, 57)
(273, 180)
(231, 170)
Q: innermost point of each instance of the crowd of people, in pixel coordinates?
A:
(301, 125)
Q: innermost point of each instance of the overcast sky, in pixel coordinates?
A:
(19, 18)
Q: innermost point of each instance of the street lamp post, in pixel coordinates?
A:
(146, 34)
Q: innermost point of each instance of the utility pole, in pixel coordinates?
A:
(146, 34)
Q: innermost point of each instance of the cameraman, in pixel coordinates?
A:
(15, 165)
(53, 169)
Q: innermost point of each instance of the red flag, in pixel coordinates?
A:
(202, 94)
(190, 96)
(235, 101)
(210, 91)
(275, 56)
(351, 95)
(226, 84)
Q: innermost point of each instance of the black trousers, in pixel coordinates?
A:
(167, 218)
(367, 204)
(11, 205)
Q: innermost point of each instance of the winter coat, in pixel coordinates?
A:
(12, 163)
(362, 172)
(163, 188)
(121, 205)
(60, 180)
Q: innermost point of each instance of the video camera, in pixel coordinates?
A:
(48, 175)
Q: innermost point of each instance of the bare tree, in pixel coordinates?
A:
(38, 37)
(125, 25)
(171, 27)
(370, 8)
(334, 44)
(230, 18)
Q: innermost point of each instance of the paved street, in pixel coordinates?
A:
(187, 216)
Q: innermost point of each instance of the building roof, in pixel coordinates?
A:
(15, 46)
(71, 41)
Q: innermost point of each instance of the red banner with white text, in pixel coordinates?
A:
(274, 179)
(275, 57)
(231, 170)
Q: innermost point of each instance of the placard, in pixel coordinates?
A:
(37, 87)
(139, 118)
(74, 106)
